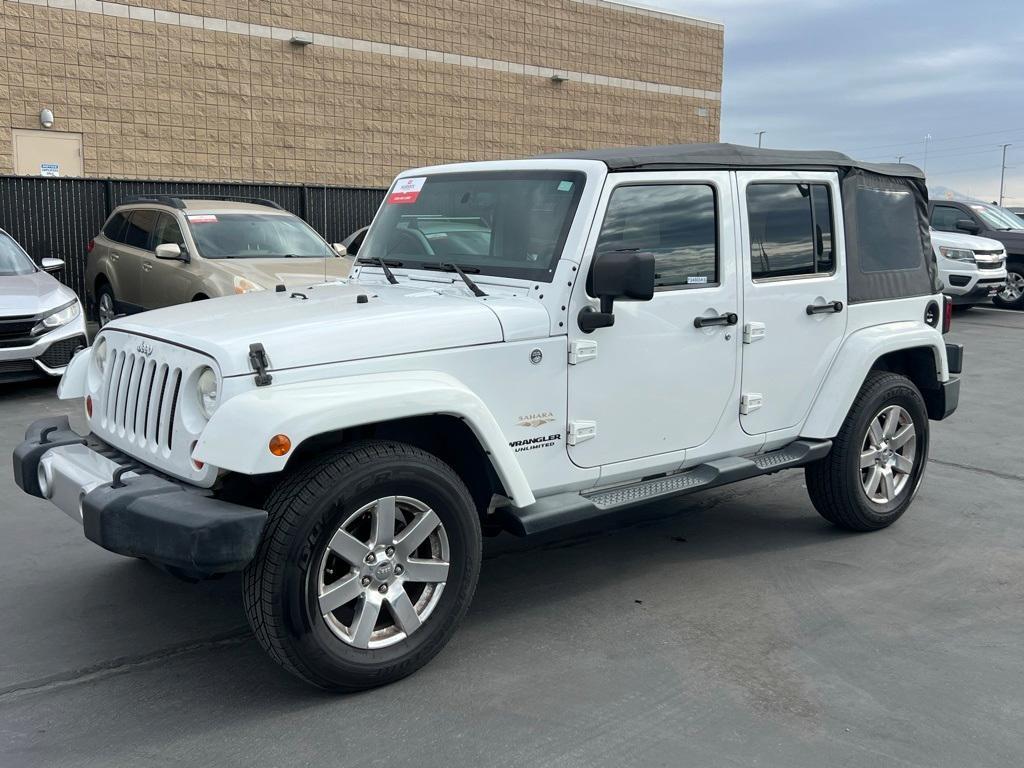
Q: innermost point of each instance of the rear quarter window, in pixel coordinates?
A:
(887, 230)
(114, 228)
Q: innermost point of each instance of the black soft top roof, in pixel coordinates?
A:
(680, 157)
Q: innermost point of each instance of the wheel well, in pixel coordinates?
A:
(447, 437)
(200, 297)
(100, 281)
(920, 366)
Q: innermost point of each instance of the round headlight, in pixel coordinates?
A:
(99, 354)
(206, 387)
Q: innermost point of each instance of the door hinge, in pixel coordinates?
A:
(580, 431)
(581, 351)
(750, 402)
(753, 332)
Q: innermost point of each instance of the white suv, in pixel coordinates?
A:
(522, 345)
(973, 269)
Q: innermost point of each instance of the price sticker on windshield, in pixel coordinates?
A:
(407, 190)
(202, 218)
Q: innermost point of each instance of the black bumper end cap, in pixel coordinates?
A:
(41, 436)
(155, 519)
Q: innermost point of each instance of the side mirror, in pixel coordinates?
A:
(626, 275)
(339, 249)
(966, 225)
(171, 251)
(50, 264)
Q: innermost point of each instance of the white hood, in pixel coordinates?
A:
(331, 325)
(967, 242)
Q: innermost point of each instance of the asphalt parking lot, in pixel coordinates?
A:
(730, 628)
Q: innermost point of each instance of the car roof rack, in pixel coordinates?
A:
(178, 201)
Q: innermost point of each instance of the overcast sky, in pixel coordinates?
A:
(873, 77)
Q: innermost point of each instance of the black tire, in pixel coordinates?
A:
(1012, 271)
(104, 290)
(305, 511)
(834, 482)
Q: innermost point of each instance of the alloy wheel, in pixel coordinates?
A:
(383, 572)
(887, 454)
(106, 309)
(1014, 287)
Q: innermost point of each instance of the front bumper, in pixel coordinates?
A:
(49, 355)
(974, 287)
(127, 509)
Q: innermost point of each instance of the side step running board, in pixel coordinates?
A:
(568, 508)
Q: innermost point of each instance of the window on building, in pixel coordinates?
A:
(114, 228)
(945, 217)
(168, 231)
(675, 222)
(790, 230)
(141, 224)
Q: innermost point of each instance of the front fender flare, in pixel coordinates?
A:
(853, 363)
(237, 436)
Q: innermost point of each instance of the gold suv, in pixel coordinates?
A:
(158, 251)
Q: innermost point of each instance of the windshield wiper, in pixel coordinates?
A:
(384, 265)
(461, 272)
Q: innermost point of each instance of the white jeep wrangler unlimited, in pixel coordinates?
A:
(521, 345)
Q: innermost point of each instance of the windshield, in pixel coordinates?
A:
(255, 236)
(13, 260)
(998, 218)
(505, 223)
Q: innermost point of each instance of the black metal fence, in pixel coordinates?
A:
(58, 217)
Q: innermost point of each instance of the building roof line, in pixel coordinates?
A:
(629, 6)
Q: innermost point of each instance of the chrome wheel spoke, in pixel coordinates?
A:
(365, 620)
(888, 484)
(383, 517)
(892, 421)
(868, 458)
(875, 432)
(340, 592)
(903, 436)
(429, 571)
(403, 611)
(416, 533)
(874, 478)
(902, 464)
(348, 548)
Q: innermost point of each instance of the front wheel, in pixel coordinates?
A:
(876, 463)
(1012, 294)
(368, 562)
(106, 307)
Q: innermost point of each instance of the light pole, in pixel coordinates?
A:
(1002, 174)
(760, 135)
(899, 158)
(927, 138)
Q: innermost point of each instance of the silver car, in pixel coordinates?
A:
(41, 320)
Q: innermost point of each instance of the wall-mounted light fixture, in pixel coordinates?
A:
(46, 118)
(301, 39)
(558, 77)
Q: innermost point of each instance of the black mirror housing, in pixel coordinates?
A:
(966, 225)
(624, 275)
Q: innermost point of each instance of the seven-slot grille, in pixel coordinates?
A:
(140, 397)
(145, 404)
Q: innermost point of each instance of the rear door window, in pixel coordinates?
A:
(141, 224)
(790, 230)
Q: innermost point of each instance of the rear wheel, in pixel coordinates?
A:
(869, 478)
(368, 562)
(1012, 295)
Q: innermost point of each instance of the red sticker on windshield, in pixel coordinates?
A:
(202, 218)
(407, 190)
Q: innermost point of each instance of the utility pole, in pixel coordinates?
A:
(760, 135)
(1002, 174)
(927, 138)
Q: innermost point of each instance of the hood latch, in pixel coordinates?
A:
(259, 361)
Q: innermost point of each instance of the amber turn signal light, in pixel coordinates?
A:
(280, 445)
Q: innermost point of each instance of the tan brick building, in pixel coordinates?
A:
(332, 92)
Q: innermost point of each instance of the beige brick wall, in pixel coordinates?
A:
(162, 100)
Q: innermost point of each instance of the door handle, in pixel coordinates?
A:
(820, 309)
(146, 267)
(729, 318)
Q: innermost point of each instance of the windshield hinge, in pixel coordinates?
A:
(260, 362)
(582, 350)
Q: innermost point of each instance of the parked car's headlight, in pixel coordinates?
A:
(59, 317)
(99, 354)
(244, 285)
(957, 254)
(206, 388)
